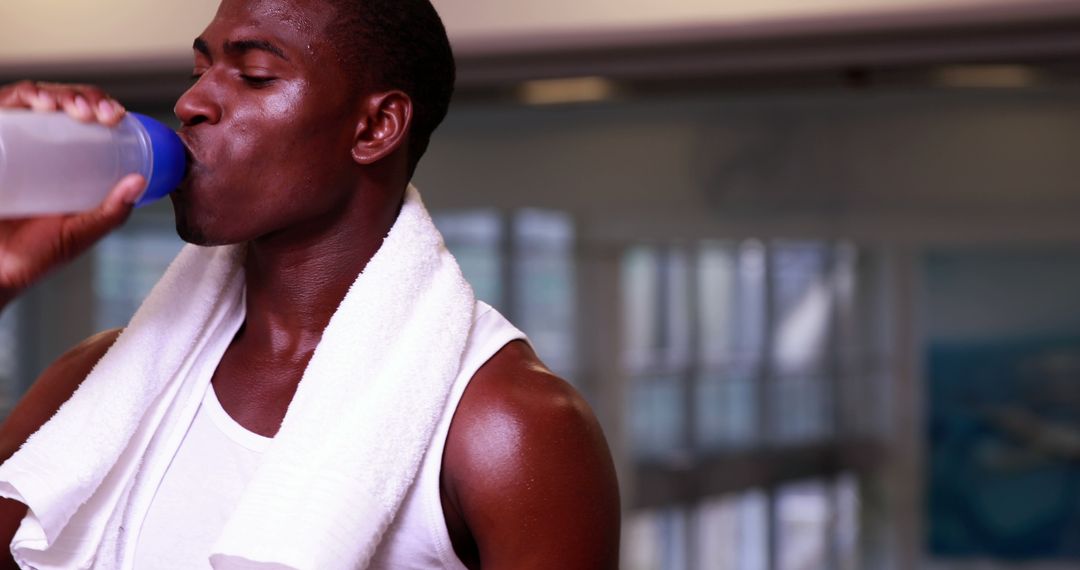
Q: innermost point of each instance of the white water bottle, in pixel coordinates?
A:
(51, 163)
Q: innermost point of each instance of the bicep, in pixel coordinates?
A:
(536, 485)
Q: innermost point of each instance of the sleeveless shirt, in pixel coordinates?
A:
(218, 457)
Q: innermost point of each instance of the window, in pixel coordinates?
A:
(732, 344)
(655, 540)
(9, 350)
(474, 237)
(731, 301)
(732, 532)
(803, 309)
(545, 288)
(657, 348)
(127, 266)
(803, 525)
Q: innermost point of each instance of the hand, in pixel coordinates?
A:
(30, 247)
(83, 102)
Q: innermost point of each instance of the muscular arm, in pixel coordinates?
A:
(48, 393)
(528, 480)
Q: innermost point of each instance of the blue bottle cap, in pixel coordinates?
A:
(169, 160)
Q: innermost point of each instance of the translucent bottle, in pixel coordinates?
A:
(51, 163)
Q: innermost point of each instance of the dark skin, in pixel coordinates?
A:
(29, 247)
(318, 169)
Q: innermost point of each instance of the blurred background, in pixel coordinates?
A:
(815, 263)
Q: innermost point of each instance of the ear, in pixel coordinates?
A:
(383, 127)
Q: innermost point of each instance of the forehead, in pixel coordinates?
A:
(297, 24)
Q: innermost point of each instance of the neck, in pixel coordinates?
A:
(297, 278)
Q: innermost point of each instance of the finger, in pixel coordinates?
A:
(126, 192)
(76, 106)
(17, 95)
(109, 111)
(106, 110)
(83, 109)
(83, 102)
(43, 100)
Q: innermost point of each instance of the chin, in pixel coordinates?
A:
(199, 229)
(194, 235)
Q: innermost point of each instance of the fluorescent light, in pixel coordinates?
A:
(987, 76)
(569, 90)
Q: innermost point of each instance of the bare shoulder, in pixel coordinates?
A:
(528, 470)
(54, 387)
(515, 384)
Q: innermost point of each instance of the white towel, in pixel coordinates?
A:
(349, 446)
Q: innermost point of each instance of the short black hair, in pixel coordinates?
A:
(399, 44)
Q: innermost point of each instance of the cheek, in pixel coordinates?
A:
(278, 161)
(280, 141)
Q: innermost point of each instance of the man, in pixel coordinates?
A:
(305, 123)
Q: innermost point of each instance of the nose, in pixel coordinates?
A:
(198, 104)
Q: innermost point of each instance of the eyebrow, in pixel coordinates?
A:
(240, 47)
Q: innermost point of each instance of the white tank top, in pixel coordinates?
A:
(218, 457)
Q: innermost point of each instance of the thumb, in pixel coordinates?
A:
(82, 230)
(126, 192)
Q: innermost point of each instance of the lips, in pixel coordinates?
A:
(192, 159)
(184, 138)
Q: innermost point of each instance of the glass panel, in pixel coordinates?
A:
(717, 534)
(656, 417)
(640, 289)
(749, 341)
(545, 285)
(726, 410)
(9, 350)
(862, 370)
(731, 301)
(754, 536)
(673, 530)
(717, 279)
(803, 304)
(474, 237)
(730, 532)
(127, 265)
(846, 491)
(675, 304)
(803, 526)
(656, 540)
(851, 401)
(641, 542)
(657, 348)
(656, 308)
(872, 337)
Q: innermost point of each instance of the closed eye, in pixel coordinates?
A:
(257, 81)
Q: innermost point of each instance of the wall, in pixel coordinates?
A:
(958, 165)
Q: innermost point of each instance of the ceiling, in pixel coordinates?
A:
(134, 32)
